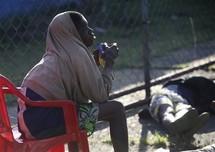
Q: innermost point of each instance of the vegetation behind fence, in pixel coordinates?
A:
(179, 35)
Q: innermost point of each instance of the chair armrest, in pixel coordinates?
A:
(68, 106)
(6, 90)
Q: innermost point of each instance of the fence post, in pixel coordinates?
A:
(146, 51)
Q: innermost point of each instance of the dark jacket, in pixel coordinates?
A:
(198, 91)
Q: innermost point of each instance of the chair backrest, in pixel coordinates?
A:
(4, 118)
(5, 125)
(73, 134)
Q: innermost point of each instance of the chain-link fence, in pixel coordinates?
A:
(155, 38)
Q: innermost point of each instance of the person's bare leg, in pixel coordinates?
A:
(166, 114)
(114, 113)
(182, 121)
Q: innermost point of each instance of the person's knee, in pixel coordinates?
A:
(117, 107)
(111, 110)
(165, 107)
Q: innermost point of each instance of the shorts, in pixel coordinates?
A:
(167, 97)
(48, 122)
(87, 116)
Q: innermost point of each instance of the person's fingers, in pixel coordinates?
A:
(112, 44)
(111, 51)
(111, 54)
(105, 44)
(114, 51)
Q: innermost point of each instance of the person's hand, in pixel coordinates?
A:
(111, 53)
(96, 56)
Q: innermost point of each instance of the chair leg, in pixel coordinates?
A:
(58, 148)
(84, 145)
(4, 146)
(73, 147)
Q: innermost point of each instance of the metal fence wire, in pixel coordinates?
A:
(158, 40)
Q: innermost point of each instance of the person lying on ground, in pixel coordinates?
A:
(68, 71)
(183, 106)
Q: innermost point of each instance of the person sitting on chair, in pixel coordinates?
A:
(68, 71)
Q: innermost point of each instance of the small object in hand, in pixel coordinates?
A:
(101, 54)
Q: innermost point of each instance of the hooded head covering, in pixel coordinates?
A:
(67, 69)
(62, 36)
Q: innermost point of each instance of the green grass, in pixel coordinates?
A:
(155, 139)
(181, 24)
(17, 61)
(158, 140)
(173, 25)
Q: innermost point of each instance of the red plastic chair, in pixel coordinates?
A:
(10, 140)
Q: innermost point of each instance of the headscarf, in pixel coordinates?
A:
(62, 36)
(67, 69)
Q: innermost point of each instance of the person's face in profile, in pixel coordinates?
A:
(86, 33)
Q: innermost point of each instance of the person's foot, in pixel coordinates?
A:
(183, 122)
(197, 125)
